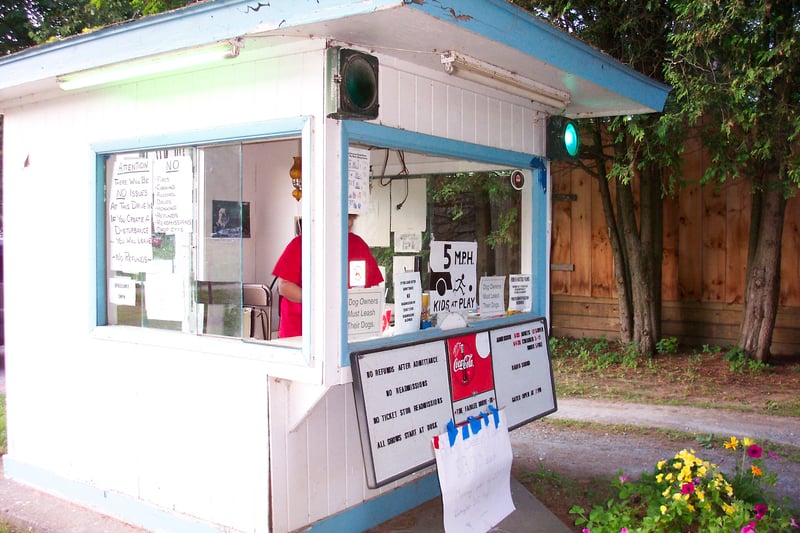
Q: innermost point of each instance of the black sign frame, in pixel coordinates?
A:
(406, 393)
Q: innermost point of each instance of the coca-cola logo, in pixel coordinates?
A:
(463, 363)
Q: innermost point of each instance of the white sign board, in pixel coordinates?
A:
(172, 195)
(407, 301)
(491, 296)
(130, 215)
(409, 402)
(453, 279)
(519, 292)
(357, 180)
(364, 312)
(406, 394)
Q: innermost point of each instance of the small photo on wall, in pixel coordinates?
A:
(230, 219)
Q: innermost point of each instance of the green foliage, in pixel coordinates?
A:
(706, 441)
(667, 345)
(740, 362)
(687, 493)
(735, 72)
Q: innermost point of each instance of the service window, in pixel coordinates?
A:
(192, 235)
(441, 229)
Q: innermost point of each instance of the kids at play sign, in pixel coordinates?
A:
(453, 276)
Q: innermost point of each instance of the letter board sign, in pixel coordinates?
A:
(406, 394)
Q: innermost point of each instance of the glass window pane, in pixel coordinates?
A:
(415, 198)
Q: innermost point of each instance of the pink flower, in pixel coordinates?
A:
(754, 451)
(761, 510)
(749, 528)
(623, 530)
(687, 488)
(794, 524)
(623, 479)
(771, 454)
(586, 530)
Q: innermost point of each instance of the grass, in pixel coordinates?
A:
(709, 377)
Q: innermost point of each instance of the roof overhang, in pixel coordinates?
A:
(414, 31)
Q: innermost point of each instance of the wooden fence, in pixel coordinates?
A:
(704, 262)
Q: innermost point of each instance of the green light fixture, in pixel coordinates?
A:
(563, 140)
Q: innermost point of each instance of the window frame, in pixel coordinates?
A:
(535, 212)
(277, 129)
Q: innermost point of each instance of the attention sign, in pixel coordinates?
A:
(407, 394)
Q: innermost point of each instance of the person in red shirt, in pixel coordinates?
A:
(289, 271)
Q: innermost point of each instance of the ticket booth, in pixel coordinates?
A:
(155, 171)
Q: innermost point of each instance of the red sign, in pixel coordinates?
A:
(470, 361)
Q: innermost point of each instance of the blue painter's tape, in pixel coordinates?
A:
(465, 432)
(474, 424)
(537, 163)
(452, 432)
(495, 414)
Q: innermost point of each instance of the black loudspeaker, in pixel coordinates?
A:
(352, 84)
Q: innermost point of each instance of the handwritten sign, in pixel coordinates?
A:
(172, 195)
(122, 291)
(475, 475)
(130, 215)
(453, 279)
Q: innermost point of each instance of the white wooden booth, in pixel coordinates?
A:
(133, 384)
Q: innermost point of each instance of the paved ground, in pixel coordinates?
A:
(533, 444)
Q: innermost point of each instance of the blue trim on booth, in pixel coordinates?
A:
(385, 137)
(134, 511)
(119, 505)
(100, 272)
(378, 510)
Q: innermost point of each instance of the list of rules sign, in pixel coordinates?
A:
(407, 394)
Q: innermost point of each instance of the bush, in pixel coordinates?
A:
(686, 493)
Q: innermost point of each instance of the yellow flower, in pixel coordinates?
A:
(659, 478)
(663, 509)
(732, 444)
(730, 509)
(660, 464)
(756, 471)
(666, 492)
(700, 495)
(690, 507)
(747, 442)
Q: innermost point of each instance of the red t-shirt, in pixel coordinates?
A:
(290, 268)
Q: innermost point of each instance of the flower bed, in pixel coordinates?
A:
(688, 494)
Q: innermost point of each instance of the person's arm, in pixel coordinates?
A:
(290, 290)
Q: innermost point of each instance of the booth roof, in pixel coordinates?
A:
(416, 31)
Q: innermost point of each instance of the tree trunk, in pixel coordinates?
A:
(763, 272)
(640, 273)
(621, 273)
